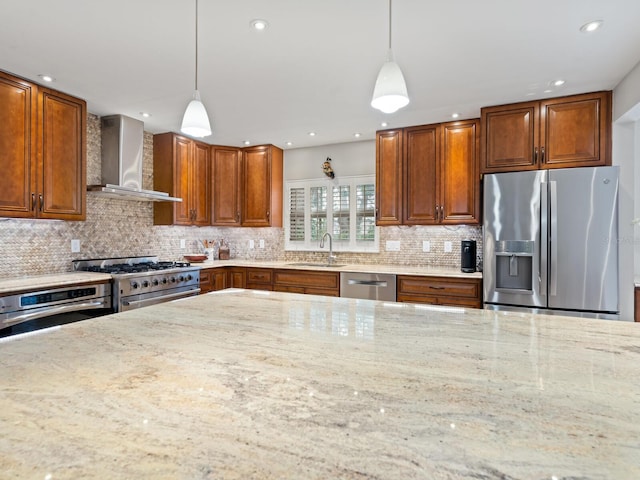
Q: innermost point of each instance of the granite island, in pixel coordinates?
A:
(248, 384)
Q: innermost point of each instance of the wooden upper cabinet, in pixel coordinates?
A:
(576, 131)
(43, 143)
(18, 106)
(389, 152)
(226, 186)
(560, 132)
(262, 186)
(439, 181)
(459, 175)
(63, 156)
(182, 167)
(421, 174)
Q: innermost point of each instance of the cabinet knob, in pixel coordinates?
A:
(268, 214)
(33, 201)
(535, 155)
(41, 202)
(542, 154)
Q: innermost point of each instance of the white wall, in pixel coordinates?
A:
(626, 154)
(347, 159)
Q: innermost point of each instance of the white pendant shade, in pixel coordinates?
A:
(196, 121)
(390, 92)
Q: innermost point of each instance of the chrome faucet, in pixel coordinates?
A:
(332, 257)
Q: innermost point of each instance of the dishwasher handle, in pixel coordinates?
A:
(369, 283)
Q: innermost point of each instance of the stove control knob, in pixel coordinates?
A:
(134, 285)
(155, 282)
(145, 284)
(164, 281)
(189, 278)
(172, 279)
(181, 278)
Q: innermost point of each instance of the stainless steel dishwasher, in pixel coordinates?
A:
(372, 286)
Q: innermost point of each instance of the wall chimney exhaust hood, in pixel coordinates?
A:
(122, 143)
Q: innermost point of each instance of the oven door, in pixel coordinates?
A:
(152, 298)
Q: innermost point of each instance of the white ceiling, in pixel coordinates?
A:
(314, 68)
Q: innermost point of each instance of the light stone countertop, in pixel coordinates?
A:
(263, 385)
(13, 285)
(361, 268)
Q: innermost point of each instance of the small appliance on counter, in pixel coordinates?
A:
(468, 256)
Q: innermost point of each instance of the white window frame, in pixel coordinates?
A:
(352, 245)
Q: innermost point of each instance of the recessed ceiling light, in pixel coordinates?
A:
(288, 144)
(247, 142)
(455, 115)
(384, 124)
(591, 26)
(46, 78)
(557, 83)
(312, 134)
(357, 135)
(259, 25)
(548, 90)
(145, 114)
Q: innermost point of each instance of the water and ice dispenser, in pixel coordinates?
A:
(514, 265)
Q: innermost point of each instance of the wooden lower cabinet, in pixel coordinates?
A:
(307, 281)
(636, 305)
(213, 279)
(259, 279)
(451, 291)
(236, 277)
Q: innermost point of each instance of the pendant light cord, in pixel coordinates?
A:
(389, 24)
(196, 45)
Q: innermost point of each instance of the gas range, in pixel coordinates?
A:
(143, 281)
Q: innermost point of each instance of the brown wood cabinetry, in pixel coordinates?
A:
(428, 174)
(236, 277)
(636, 304)
(260, 278)
(389, 177)
(181, 166)
(226, 186)
(307, 281)
(43, 138)
(440, 290)
(572, 131)
(213, 279)
(262, 186)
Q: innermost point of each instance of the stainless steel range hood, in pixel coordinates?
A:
(122, 149)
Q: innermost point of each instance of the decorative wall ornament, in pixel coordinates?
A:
(326, 168)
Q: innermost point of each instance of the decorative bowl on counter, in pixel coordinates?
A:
(196, 257)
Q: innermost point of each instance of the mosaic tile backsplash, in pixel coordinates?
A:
(116, 228)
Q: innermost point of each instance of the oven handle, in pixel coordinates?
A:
(164, 298)
(46, 312)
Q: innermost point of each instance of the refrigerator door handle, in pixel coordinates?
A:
(542, 258)
(553, 268)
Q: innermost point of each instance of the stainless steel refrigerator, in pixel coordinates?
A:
(551, 241)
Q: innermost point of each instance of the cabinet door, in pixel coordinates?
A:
(200, 190)
(183, 211)
(421, 154)
(236, 277)
(62, 156)
(226, 186)
(389, 177)
(18, 145)
(256, 211)
(576, 131)
(459, 178)
(510, 137)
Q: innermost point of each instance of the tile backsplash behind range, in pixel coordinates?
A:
(116, 228)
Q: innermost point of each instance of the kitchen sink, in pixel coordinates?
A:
(312, 264)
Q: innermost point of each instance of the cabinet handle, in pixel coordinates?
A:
(41, 202)
(237, 216)
(535, 155)
(33, 201)
(542, 154)
(437, 213)
(377, 214)
(441, 213)
(435, 288)
(268, 214)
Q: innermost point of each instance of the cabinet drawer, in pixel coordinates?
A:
(206, 284)
(259, 275)
(307, 278)
(440, 290)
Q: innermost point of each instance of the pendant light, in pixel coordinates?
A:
(195, 121)
(390, 92)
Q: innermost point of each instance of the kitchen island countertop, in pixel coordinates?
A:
(30, 283)
(246, 384)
